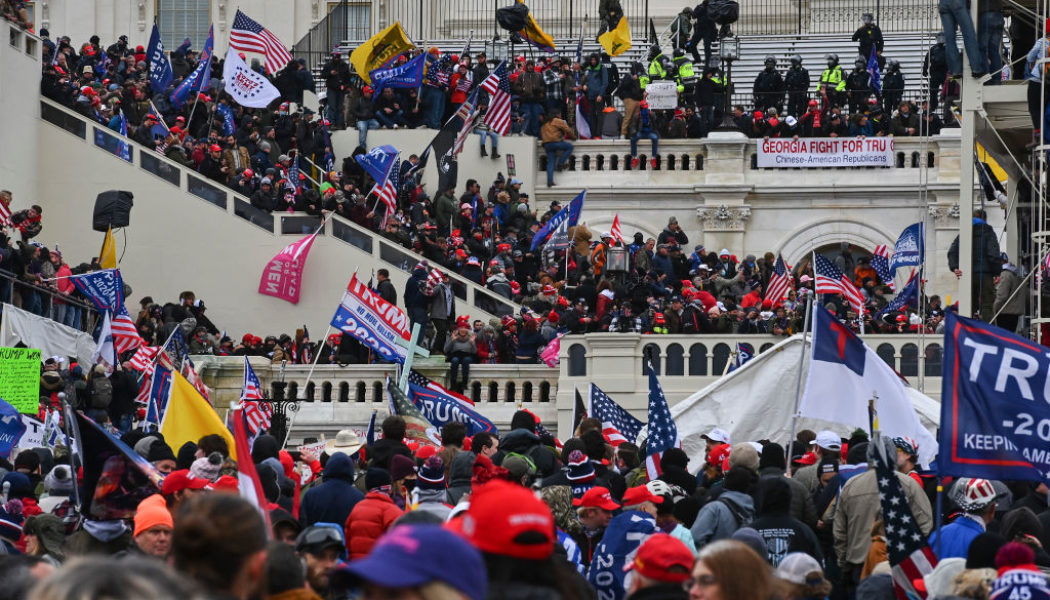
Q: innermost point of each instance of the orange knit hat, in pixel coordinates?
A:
(152, 512)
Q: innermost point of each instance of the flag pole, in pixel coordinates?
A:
(291, 421)
(807, 323)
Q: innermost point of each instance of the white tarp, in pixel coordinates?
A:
(53, 339)
(757, 401)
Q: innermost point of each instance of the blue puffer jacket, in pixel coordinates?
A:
(333, 500)
(956, 538)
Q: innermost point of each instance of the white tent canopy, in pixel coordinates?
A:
(53, 339)
(757, 402)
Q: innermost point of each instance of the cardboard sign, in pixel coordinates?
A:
(662, 95)
(20, 378)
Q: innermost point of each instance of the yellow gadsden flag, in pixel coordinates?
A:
(617, 41)
(189, 417)
(107, 256)
(382, 47)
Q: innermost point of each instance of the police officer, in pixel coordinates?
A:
(935, 66)
(858, 85)
(658, 64)
(796, 79)
(867, 37)
(710, 95)
(685, 76)
(769, 85)
(892, 85)
(832, 84)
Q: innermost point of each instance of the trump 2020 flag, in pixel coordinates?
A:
(378, 162)
(200, 79)
(373, 321)
(160, 72)
(571, 213)
(283, 276)
(104, 288)
(909, 249)
(408, 75)
(441, 406)
(662, 434)
(12, 427)
(245, 86)
(995, 414)
(845, 374)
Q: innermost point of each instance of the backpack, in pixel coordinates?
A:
(101, 392)
(741, 519)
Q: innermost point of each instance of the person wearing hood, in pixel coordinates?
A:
(332, 501)
(431, 494)
(772, 464)
(782, 533)
(522, 439)
(459, 476)
(733, 508)
(1009, 303)
(44, 535)
(416, 301)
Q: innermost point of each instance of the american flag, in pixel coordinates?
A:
(418, 379)
(248, 483)
(257, 412)
(5, 215)
(831, 281)
(910, 555)
(779, 282)
(434, 279)
(662, 434)
(467, 114)
(190, 373)
(53, 433)
(498, 85)
(144, 358)
(615, 231)
(248, 36)
(618, 425)
(880, 261)
(125, 334)
(251, 390)
(176, 349)
(388, 191)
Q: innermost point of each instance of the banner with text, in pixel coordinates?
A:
(822, 153)
(283, 276)
(995, 404)
(20, 378)
(374, 321)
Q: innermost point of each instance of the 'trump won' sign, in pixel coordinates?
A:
(995, 404)
(821, 153)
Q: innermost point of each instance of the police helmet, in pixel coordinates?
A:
(860, 62)
(679, 53)
(833, 59)
(770, 59)
(796, 59)
(867, 18)
(893, 63)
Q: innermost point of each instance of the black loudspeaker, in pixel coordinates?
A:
(112, 209)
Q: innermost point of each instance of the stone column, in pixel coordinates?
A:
(722, 213)
(943, 226)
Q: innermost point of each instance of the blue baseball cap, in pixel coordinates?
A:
(414, 555)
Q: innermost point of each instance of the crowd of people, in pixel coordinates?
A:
(514, 516)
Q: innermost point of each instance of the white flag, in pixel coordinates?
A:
(844, 374)
(105, 354)
(247, 87)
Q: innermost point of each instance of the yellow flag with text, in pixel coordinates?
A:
(107, 256)
(616, 41)
(375, 52)
(534, 35)
(188, 417)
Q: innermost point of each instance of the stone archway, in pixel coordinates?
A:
(800, 242)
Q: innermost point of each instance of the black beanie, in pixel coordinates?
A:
(772, 456)
(187, 454)
(159, 450)
(982, 550)
(376, 478)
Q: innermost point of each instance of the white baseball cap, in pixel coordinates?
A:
(828, 440)
(717, 435)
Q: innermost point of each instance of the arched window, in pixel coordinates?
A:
(675, 360)
(697, 360)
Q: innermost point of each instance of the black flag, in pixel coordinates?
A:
(579, 413)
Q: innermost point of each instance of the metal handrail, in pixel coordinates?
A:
(376, 238)
(13, 280)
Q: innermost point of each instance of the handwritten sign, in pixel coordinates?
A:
(20, 378)
(662, 95)
(822, 153)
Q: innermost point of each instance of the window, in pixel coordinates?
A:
(350, 21)
(181, 19)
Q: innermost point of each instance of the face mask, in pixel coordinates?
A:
(410, 484)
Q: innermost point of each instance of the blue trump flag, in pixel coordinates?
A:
(873, 71)
(620, 542)
(570, 213)
(11, 428)
(160, 72)
(200, 78)
(744, 353)
(441, 406)
(408, 75)
(105, 289)
(378, 162)
(228, 125)
(995, 404)
(909, 296)
(909, 251)
(123, 148)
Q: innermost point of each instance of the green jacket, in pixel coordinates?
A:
(833, 79)
(445, 207)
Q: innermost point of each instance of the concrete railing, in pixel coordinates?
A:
(338, 396)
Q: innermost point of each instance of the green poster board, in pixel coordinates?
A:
(20, 378)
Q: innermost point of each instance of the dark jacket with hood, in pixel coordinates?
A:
(332, 501)
(782, 532)
(523, 441)
(459, 476)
